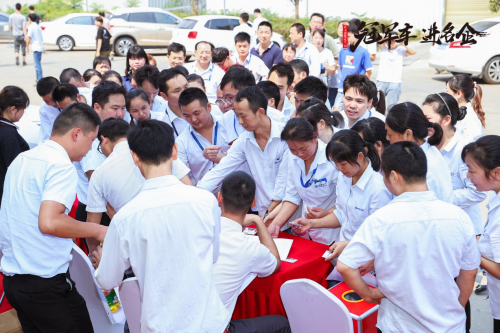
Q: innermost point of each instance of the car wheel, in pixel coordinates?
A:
(122, 45)
(65, 43)
(491, 72)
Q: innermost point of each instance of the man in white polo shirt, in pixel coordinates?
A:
(181, 225)
(146, 78)
(36, 238)
(260, 145)
(49, 110)
(244, 27)
(305, 50)
(203, 66)
(171, 83)
(72, 76)
(243, 57)
(243, 257)
(419, 246)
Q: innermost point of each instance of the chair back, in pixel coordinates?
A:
(130, 297)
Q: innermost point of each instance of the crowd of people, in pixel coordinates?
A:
(169, 166)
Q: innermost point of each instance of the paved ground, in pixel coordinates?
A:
(418, 81)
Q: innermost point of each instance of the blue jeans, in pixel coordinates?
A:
(37, 56)
(392, 92)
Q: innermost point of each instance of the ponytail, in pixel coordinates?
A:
(381, 102)
(476, 104)
(313, 108)
(436, 138)
(372, 155)
(465, 84)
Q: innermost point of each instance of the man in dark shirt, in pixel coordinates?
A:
(32, 11)
(266, 50)
(103, 38)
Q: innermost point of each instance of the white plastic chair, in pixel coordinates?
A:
(310, 308)
(82, 272)
(130, 298)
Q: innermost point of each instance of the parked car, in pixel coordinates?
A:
(70, 30)
(217, 29)
(149, 27)
(4, 26)
(482, 58)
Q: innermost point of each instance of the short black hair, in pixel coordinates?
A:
(485, 151)
(373, 130)
(176, 47)
(13, 96)
(407, 159)
(33, 17)
(182, 69)
(256, 10)
(315, 111)
(299, 129)
(166, 75)
(300, 29)
(99, 60)
(76, 115)
(354, 26)
(239, 76)
(112, 73)
(18, 6)
(360, 84)
(69, 73)
(65, 90)
(312, 86)
(283, 70)
(318, 15)
(265, 24)
(242, 37)
(220, 54)
(299, 66)
(101, 93)
(255, 97)
(31, 7)
(98, 19)
(113, 129)
(212, 47)
(196, 78)
(271, 90)
(290, 45)
(46, 85)
(146, 73)
(89, 73)
(152, 141)
(238, 192)
(102, 13)
(245, 17)
(190, 95)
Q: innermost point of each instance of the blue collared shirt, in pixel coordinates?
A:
(271, 56)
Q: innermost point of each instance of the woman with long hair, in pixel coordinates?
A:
(136, 58)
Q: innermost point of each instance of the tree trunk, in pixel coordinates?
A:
(194, 5)
(297, 10)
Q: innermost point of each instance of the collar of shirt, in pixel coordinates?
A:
(256, 48)
(162, 181)
(8, 122)
(453, 142)
(303, 50)
(425, 146)
(195, 132)
(57, 147)
(121, 147)
(245, 62)
(494, 202)
(275, 133)
(415, 197)
(230, 225)
(319, 159)
(171, 115)
(363, 180)
(201, 72)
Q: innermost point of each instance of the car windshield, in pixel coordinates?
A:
(187, 24)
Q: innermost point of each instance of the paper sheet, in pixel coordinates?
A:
(283, 244)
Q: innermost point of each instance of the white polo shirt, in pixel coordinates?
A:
(159, 104)
(248, 29)
(91, 161)
(368, 114)
(44, 173)
(87, 93)
(239, 256)
(419, 244)
(178, 124)
(265, 166)
(438, 173)
(212, 76)
(356, 202)
(190, 146)
(465, 194)
(174, 266)
(288, 108)
(310, 54)
(489, 248)
(317, 188)
(254, 64)
(118, 180)
(48, 115)
(470, 127)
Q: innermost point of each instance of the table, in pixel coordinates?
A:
(262, 296)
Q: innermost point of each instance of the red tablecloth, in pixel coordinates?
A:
(5, 306)
(262, 296)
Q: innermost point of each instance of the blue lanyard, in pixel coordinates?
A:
(308, 183)
(211, 71)
(249, 59)
(300, 56)
(234, 124)
(215, 137)
(173, 125)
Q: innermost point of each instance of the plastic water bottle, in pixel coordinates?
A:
(112, 298)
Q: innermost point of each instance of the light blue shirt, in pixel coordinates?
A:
(465, 194)
(159, 104)
(438, 173)
(44, 173)
(310, 54)
(419, 245)
(288, 108)
(356, 202)
(48, 115)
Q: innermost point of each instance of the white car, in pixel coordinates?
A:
(482, 58)
(216, 29)
(70, 30)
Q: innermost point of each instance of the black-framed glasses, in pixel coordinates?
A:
(99, 147)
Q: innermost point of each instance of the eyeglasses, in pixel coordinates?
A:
(99, 147)
(222, 101)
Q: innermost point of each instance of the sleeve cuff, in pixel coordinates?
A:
(339, 216)
(96, 209)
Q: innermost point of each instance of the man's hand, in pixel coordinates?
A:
(210, 153)
(305, 225)
(337, 249)
(102, 233)
(274, 230)
(367, 268)
(96, 256)
(97, 54)
(252, 219)
(270, 216)
(374, 296)
(315, 212)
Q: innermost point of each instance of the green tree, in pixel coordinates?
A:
(76, 4)
(132, 3)
(495, 6)
(96, 7)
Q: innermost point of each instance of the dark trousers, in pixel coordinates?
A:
(332, 93)
(496, 326)
(81, 215)
(264, 324)
(47, 305)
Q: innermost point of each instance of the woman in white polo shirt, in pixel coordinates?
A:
(483, 159)
(311, 178)
(138, 105)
